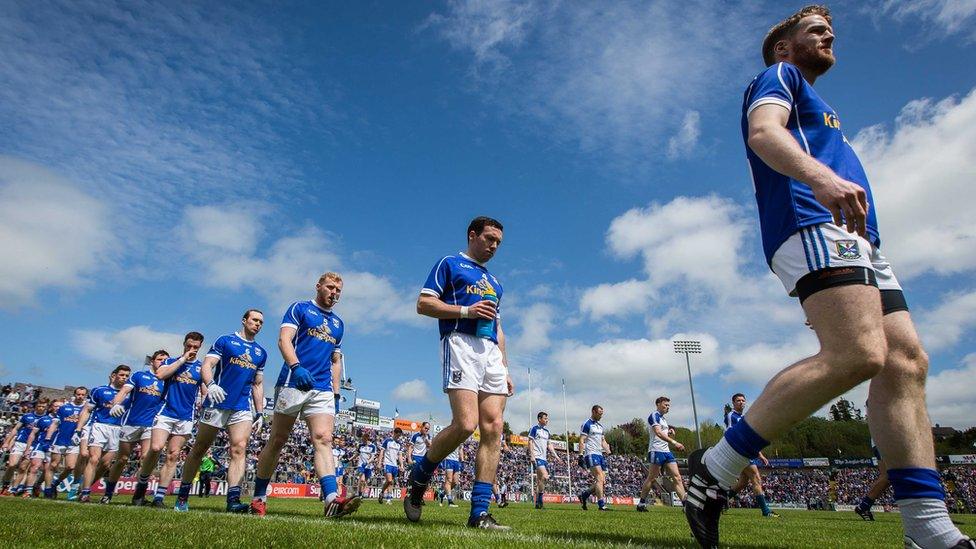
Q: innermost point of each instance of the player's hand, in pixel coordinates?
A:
(76, 438)
(302, 377)
(258, 421)
(117, 410)
(765, 461)
(510, 384)
(847, 202)
(189, 356)
(483, 309)
(216, 393)
(680, 447)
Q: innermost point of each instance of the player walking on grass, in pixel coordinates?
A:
(539, 450)
(451, 466)
(810, 184)
(146, 389)
(174, 422)
(878, 487)
(64, 454)
(233, 372)
(750, 475)
(592, 447)
(310, 342)
(659, 454)
(419, 442)
(40, 457)
(103, 436)
(391, 457)
(365, 458)
(18, 443)
(465, 298)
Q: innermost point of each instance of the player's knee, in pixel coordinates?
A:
(466, 426)
(856, 364)
(322, 439)
(910, 364)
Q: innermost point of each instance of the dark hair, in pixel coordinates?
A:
(80, 387)
(425, 423)
(159, 352)
(595, 406)
(248, 312)
(479, 223)
(661, 399)
(737, 395)
(121, 367)
(540, 414)
(398, 431)
(786, 27)
(194, 336)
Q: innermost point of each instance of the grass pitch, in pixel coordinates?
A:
(293, 523)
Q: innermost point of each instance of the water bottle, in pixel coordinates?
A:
(486, 328)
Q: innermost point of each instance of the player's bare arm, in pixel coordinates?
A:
(257, 393)
(336, 372)
(166, 371)
(286, 337)
(433, 307)
(769, 138)
(501, 346)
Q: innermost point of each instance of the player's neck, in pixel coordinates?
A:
(471, 256)
(320, 306)
(245, 336)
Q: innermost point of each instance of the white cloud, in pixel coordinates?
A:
(536, 323)
(128, 346)
(684, 142)
(52, 235)
(951, 17)
(621, 298)
(758, 363)
(604, 75)
(950, 397)
(413, 390)
(943, 326)
(225, 243)
(922, 173)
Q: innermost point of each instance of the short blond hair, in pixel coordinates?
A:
(785, 27)
(330, 275)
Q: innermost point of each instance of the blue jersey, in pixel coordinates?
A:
(181, 390)
(239, 361)
(41, 441)
(318, 334)
(787, 205)
(100, 399)
(731, 418)
(146, 396)
(67, 423)
(460, 280)
(26, 425)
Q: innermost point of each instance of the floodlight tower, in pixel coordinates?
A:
(688, 347)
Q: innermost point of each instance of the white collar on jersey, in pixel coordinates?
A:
(315, 302)
(469, 258)
(241, 335)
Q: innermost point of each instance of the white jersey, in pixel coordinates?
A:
(594, 437)
(338, 456)
(658, 444)
(419, 442)
(455, 455)
(367, 453)
(391, 452)
(539, 439)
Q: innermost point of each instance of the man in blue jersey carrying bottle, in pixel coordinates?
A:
(820, 236)
(310, 341)
(465, 299)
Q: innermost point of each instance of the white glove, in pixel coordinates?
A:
(216, 393)
(76, 438)
(258, 422)
(117, 410)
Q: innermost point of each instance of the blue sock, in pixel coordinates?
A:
(538, 498)
(86, 492)
(184, 490)
(601, 503)
(233, 494)
(643, 501)
(423, 469)
(866, 503)
(585, 494)
(329, 486)
(261, 487)
(745, 441)
(480, 498)
(761, 500)
(915, 483)
(110, 488)
(49, 491)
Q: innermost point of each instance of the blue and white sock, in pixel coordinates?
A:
(921, 501)
(329, 487)
(261, 488)
(726, 460)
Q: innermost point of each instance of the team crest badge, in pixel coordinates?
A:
(335, 322)
(848, 249)
(456, 377)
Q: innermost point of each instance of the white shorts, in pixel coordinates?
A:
(18, 448)
(104, 436)
(134, 433)
(222, 419)
(173, 426)
(824, 246)
(64, 450)
(292, 402)
(473, 363)
(38, 454)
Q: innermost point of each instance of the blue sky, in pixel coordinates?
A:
(163, 168)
